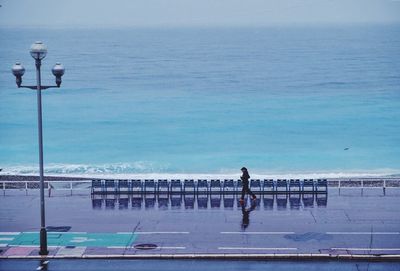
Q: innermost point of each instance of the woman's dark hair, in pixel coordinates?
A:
(245, 173)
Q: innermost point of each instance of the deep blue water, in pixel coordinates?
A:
(198, 100)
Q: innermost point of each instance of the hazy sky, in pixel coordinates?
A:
(103, 13)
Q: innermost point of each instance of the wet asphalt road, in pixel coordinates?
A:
(99, 265)
(333, 223)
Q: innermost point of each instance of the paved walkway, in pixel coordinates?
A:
(346, 226)
(193, 265)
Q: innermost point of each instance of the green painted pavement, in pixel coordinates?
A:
(75, 239)
(7, 238)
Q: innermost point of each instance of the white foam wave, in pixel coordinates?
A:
(149, 170)
(68, 169)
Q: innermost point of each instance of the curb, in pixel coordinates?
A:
(200, 256)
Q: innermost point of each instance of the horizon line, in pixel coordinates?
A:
(206, 26)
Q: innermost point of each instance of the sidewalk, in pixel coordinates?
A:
(346, 226)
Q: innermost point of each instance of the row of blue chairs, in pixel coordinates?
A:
(205, 186)
(204, 201)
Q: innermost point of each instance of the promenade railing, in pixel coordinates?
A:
(215, 186)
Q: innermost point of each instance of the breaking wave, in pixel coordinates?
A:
(144, 169)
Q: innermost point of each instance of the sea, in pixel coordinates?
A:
(321, 100)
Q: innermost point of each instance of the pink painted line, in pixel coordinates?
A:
(19, 251)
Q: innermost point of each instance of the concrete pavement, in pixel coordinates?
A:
(348, 225)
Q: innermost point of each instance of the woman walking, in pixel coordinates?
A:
(245, 185)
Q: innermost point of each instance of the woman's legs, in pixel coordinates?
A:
(250, 193)
(246, 189)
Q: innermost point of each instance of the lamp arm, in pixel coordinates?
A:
(30, 87)
(46, 87)
(35, 87)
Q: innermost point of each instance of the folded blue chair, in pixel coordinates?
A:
(110, 187)
(215, 186)
(123, 186)
(202, 187)
(97, 187)
(189, 187)
(162, 187)
(136, 187)
(149, 186)
(255, 186)
(268, 186)
(281, 186)
(294, 185)
(228, 187)
(322, 185)
(176, 186)
(308, 185)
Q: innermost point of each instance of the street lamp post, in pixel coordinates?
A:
(38, 52)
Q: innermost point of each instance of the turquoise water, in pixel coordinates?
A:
(278, 100)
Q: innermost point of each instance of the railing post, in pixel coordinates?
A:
(362, 187)
(384, 187)
(26, 188)
(4, 188)
(70, 186)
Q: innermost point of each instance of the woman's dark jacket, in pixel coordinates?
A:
(245, 177)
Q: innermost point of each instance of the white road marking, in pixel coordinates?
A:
(68, 232)
(257, 232)
(6, 239)
(31, 246)
(365, 249)
(162, 232)
(258, 248)
(3, 245)
(24, 246)
(9, 233)
(162, 247)
(118, 247)
(81, 239)
(59, 232)
(172, 247)
(363, 232)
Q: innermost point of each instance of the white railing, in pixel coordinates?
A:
(77, 185)
(86, 185)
